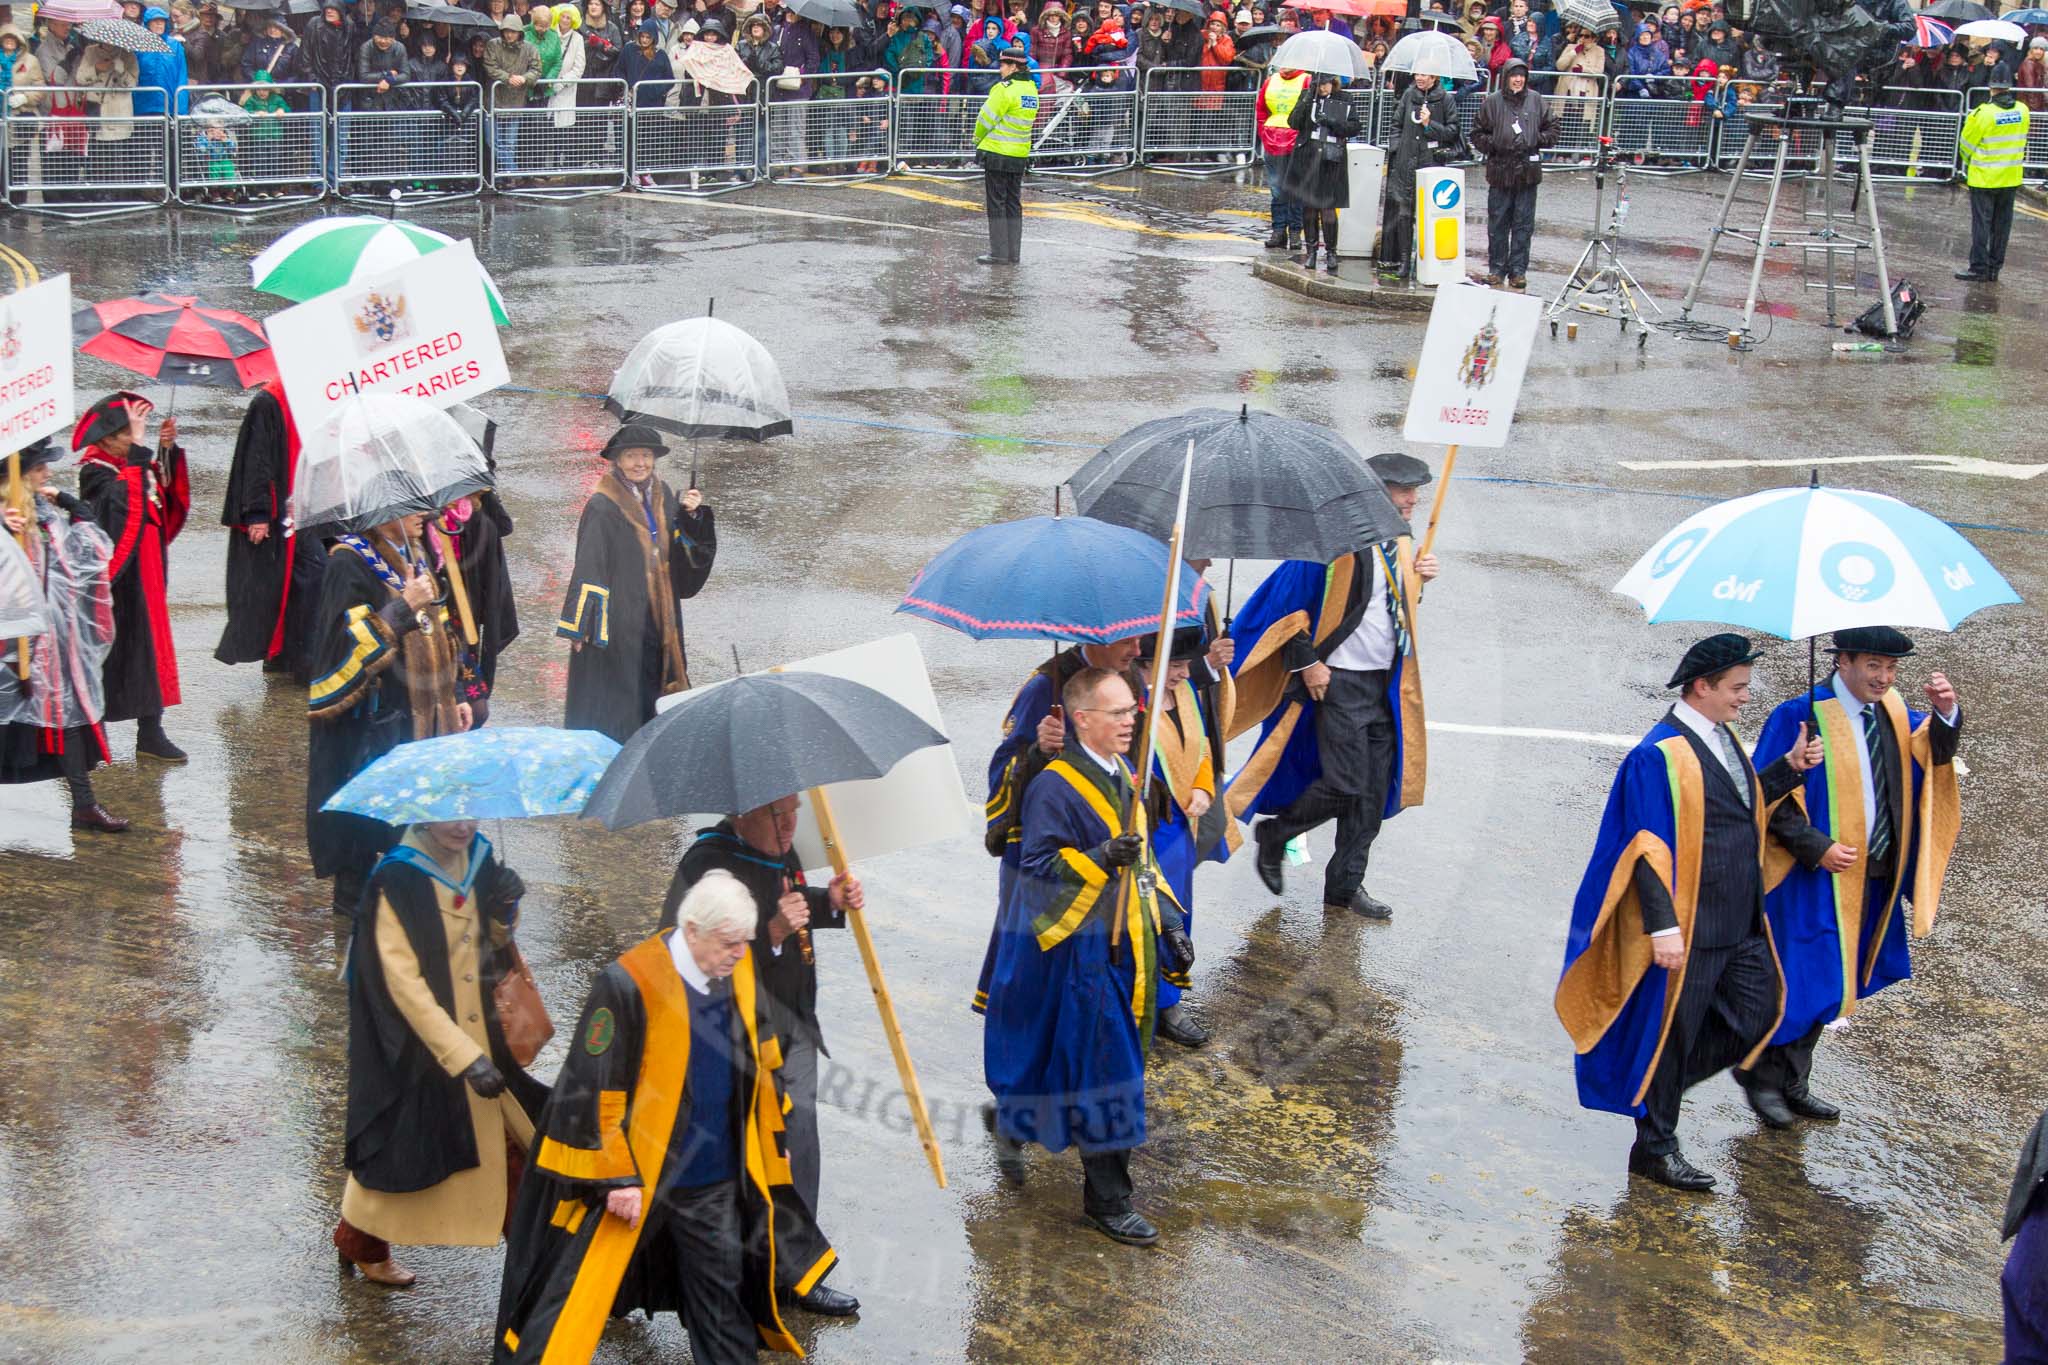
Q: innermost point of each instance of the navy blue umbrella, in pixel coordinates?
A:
(1051, 578)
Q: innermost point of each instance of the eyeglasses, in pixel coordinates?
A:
(1119, 713)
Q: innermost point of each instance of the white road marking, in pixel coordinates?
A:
(1948, 464)
(1535, 732)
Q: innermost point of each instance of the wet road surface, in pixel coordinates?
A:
(1381, 1156)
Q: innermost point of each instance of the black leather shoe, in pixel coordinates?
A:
(1271, 859)
(1369, 906)
(1176, 1027)
(1009, 1155)
(1770, 1106)
(988, 259)
(1992, 278)
(1808, 1105)
(1973, 276)
(825, 1301)
(1670, 1169)
(159, 747)
(1277, 242)
(1130, 1228)
(97, 818)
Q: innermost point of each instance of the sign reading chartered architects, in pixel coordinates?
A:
(35, 364)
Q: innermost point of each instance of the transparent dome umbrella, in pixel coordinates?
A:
(1432, 53)
(1323, 52)
(383, 456)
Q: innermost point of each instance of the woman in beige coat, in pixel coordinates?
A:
(1586, 61)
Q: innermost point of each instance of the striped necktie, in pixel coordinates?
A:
(1880, 786)
(1725, 747)
(1394, 609)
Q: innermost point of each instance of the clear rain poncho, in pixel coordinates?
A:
(68, 563)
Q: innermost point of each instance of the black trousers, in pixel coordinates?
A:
(1003, 193)
(1787, 1067)
(1323, 223)
(1726, 1005)
(1990, 226)
(1510, 224)
(1355, 734)
(703, 1227)
(1106, 1183)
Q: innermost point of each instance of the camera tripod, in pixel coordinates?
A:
(1600, 285)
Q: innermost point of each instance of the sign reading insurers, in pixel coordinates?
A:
(35, 364)
(425, 329)
(1470, 371)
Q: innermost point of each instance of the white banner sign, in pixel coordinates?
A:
(424, 329)
(1473, 359)
(35, 364)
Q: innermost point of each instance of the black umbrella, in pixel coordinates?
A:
(257, 5)
(122, 33)
(455, 16)
(738, 745)
(1264, 487)
(1957, 11)
(830, 13)
(1260, 33)
(1194, 7)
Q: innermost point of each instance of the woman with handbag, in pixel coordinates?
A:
(1317, 176)
(443, 1020)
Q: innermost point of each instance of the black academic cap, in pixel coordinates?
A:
(41, 453)
(632, 435)
(1884, 640)
(1187, 644)
(1712, 655)
(104, 418)
(1401, 471)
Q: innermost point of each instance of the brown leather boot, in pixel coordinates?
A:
(387, 1272)
(97, 817)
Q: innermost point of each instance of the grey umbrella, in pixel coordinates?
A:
(1263, 487)
(1597, 15)
(122, 33)
(830, 13)
(738, 745)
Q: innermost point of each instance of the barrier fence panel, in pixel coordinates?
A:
(1917, 133)
(246, 148)
(1386, 109)
(1804, 155)
(1659, 123)
(1579, 104)
(934, 129)
(426, 141)
(1084, 127)
(1196, 130)
(2034, 164)
(570, 142)
(692, 141)
(838, 129)
(61, 159)
(1375, 110)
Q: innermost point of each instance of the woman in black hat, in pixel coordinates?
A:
(639, 548)
(49, 720)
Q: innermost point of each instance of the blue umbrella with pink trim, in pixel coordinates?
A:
(1051, 578)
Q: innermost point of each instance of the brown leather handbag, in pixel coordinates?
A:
(522, 1018)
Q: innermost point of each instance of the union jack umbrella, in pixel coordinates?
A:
(1932, 32)
(172, 339)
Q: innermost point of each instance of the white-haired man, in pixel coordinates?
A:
(659, 1163)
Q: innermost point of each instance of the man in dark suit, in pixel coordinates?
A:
(1857, 863)
(1669, 973)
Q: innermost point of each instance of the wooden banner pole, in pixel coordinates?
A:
(1436, 508)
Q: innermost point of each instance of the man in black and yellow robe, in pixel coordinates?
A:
(1333, 674)
(651, 1181)
(639, 549)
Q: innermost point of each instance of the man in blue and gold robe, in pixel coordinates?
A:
(1880, 818)
(1330, 672)
(1073, 992)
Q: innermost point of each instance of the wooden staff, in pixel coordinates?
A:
(19, 500)
(1163, 651)
(828, 830)
(1436, 508)
(451, 560)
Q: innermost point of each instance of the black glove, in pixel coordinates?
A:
(506, 892)
(1176, 950)
(484, 1078)
(1122, 851)
(77, 510)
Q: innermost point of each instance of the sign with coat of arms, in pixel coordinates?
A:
(424, 329)
(35, 364)
(1473, 359)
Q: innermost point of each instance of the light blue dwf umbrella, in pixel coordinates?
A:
(1799, 562)
(506, 774)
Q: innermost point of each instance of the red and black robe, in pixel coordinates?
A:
(141, 503)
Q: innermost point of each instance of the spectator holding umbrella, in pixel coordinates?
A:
(1318, 177)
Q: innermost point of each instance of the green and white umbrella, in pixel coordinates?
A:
(328, 253)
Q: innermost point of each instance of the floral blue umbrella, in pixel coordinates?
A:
(1051, 578)
(504, 774)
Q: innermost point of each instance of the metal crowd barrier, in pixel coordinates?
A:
(242, 160)
(1196, 132)
(2034, 165)
(546, 150)
(1581, 118)
(1803, 157)
(934, 127)
(59, 155)
(1081, 131)
(684, 144)
(424, 140)
(1661, 120)
(830, 137)
(1909, 143)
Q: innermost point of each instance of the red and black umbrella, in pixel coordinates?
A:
(170, 338)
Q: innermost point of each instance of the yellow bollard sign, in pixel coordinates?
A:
(1439, 225)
